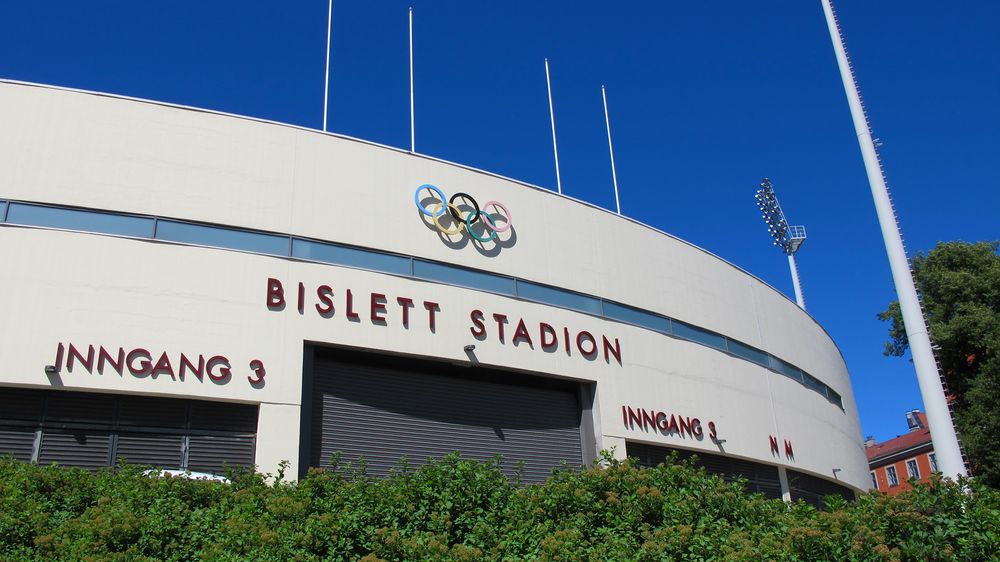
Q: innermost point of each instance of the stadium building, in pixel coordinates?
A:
(186, 288)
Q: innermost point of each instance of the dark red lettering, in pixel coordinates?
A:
(224, 369)
(324, 294)
(378, 307)
(566, 339)
(609, 350)
(685, 425)
(350, 306)
(478, 328)
(431, 307)
(103, 355)
(405, 304)
(648, 419)
(593, 344)
(59, 357)
(186, 364)
(275, 294)
(257, 366)
(501, 320)
(75, 355)
(302, 298)
(788, 449)
(545, 329)
(774, 444)
(521, 333)
(145, 362)
(696, 429)
(672, 425)
(633, 418)
(163, 366)
(712, 433)
(661, 421)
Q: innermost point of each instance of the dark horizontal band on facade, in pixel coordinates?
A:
(148, 227)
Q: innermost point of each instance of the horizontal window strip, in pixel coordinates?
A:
(284, 245)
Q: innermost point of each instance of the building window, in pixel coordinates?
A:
(874, 481)
(890, 471)
(933, 458)
(911, 469)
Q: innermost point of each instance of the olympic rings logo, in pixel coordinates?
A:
(448, 209)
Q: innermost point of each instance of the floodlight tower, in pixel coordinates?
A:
(932, 387)
(787, 238)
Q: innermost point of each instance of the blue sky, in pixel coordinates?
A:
(706, 98)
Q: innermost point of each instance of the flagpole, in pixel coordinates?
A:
(326, 81)
(552, 117)
(413, 145)
(607, 123)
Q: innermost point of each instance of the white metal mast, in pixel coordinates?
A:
(552, 117)
(413, 144)
(607, 123)
(943, 436)
(326, 82)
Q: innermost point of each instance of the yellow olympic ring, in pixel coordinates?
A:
(434, 208)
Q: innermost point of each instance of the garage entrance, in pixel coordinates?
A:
(383, 409)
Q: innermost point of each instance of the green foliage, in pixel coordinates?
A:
(455, 509)
(959, 285)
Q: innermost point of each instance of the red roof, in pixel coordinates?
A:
(911, 440)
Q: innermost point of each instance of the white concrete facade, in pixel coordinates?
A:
(70, 148)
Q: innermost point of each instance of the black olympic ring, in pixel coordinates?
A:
(454, 213)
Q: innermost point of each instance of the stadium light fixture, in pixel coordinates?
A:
(787, 238)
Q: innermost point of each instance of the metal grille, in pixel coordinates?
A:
(95, 430)
(812, 490)
(760, 477)
(85, 449)
(384, 414)
(207, 453)
(17, 441)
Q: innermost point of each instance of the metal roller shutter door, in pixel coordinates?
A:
(384, 414)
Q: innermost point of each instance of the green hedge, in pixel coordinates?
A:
(455, 509)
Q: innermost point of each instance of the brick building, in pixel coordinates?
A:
(894, 462)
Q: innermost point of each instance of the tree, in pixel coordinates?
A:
(959, 284)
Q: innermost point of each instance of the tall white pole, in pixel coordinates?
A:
(799, 299)
(607, 123)
(413, 144)
(326, 82)
(552, 117)
(943, 437)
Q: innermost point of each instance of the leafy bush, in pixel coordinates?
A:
(455, 509)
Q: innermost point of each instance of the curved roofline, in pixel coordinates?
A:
(434, 159)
